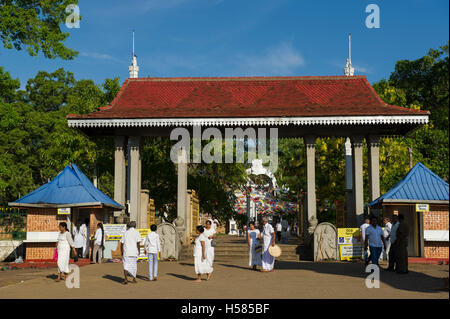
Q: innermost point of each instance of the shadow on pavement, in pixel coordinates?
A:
(187, 264)
(53, 276)
(413, 281)
(234, 266)
(113, 278)
(181, 276)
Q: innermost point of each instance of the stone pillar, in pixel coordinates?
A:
(373, 143)
(310, 142)
(358, 189)
(350, 214)
(143, 218)
(119, 171)
(135, 186)
(182, 190)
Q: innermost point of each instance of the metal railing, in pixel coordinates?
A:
(13, 223)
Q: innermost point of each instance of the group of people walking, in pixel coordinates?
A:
(259, 244)
(394, 239)
(204, 245)
(78, 244)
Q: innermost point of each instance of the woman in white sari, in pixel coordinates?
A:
(268, 237)
(201, 264)
(63, 246)
(210, 233)
(252, 241)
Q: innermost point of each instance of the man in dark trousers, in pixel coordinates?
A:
(401, 246)
(392, 238)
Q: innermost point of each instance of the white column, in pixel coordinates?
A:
(373, 143)
(358, 188)
(119, 171)
(310, 142)
(350, 214)
(135, 186)
(182, 189)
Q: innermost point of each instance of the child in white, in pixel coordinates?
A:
(152, 246)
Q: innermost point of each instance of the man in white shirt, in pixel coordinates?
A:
(214, 223)
(279, 229)
(130, 246)
(152, 247)
(387, 232)
(374, 240)
(362, 231)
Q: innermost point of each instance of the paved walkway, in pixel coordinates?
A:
(231, 279)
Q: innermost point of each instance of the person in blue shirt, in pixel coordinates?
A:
(374, 240)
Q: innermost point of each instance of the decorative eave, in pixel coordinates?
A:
(256, 121)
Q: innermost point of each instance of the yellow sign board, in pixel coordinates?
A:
(422, 208)
(114, 231)
(64, 211)
(349, 241)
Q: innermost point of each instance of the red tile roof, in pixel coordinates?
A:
(246, 97)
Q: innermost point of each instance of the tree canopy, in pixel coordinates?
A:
(34, 25)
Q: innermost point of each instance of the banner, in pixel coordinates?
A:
(114, 231)
(143, 232)
(350, 245)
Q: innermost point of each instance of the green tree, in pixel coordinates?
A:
(35, 26)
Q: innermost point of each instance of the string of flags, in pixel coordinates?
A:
(265, 202)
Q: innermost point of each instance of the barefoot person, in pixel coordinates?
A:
(210, 233)
(268, 237)
(152, 248)
(129, 246)
(252, 241)
(63, 246)
(201, 264)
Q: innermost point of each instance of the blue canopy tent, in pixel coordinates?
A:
(70, 188)
(422, 197)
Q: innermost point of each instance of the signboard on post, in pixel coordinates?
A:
(114, 231)
(64, 211)
(422, 208)
(350, 245)
(143, 232)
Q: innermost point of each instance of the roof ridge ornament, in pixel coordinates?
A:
(133, 68)
(349, 70)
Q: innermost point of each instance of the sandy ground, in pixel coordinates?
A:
(231, 279)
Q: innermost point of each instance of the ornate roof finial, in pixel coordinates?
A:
(133, 68)
(349, 70)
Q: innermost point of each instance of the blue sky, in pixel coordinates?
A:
(241, 38)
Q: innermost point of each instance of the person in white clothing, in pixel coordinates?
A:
(63, 246)
(279, 228)
(152, 247)
(84, 231)
(362, 231)
(201, 264)
(387, 233)
(252, 240)
(268, 237)
(78, 242)
(99, 242)
(210, 234)
(130, 247)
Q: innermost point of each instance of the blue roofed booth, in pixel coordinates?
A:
(423, 198)
(70, 197)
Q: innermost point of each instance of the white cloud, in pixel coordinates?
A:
(282, 59)
(101, 56)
